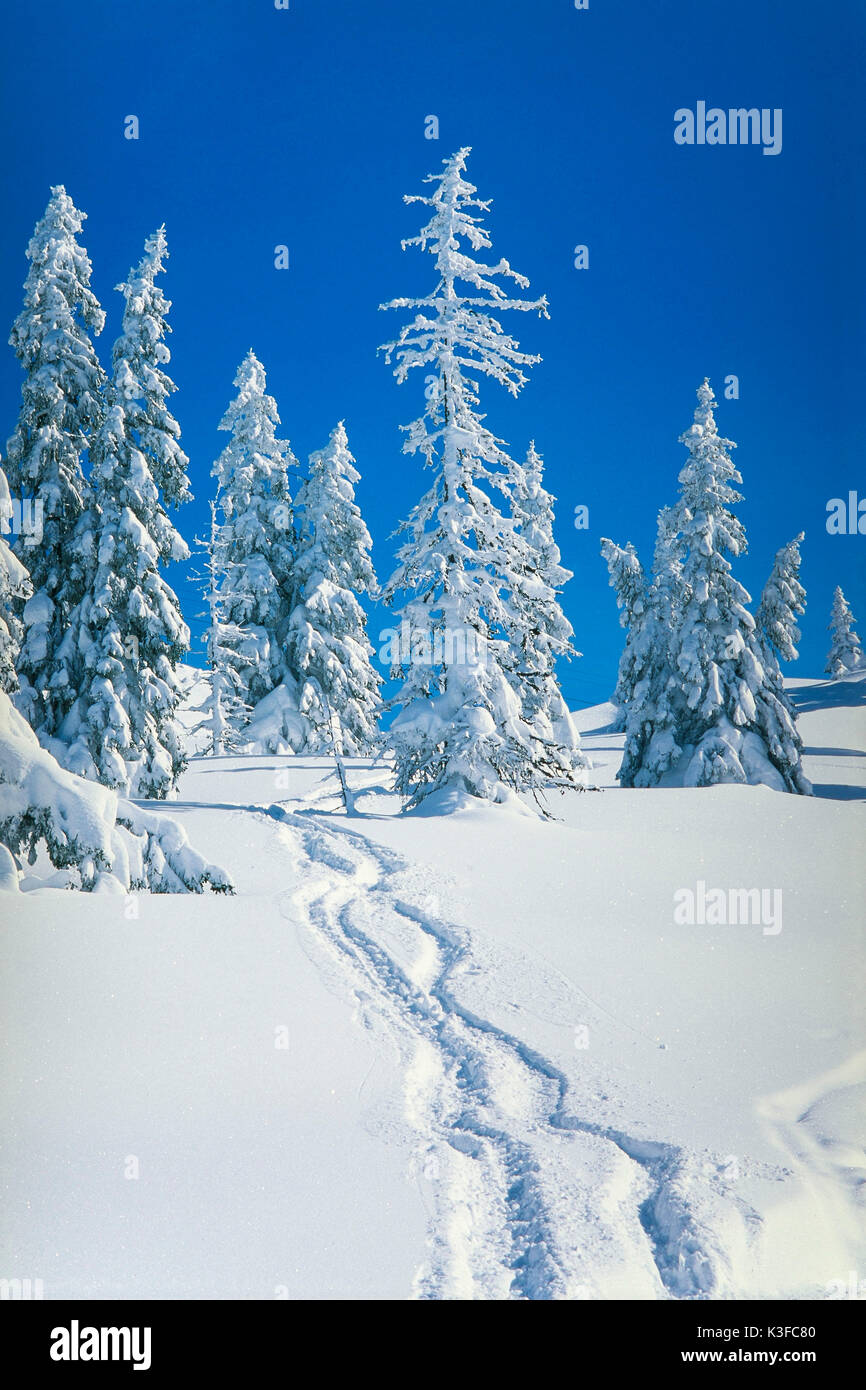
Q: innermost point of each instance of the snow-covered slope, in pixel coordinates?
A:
(467, 1056)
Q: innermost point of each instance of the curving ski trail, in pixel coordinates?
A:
(529, 1197)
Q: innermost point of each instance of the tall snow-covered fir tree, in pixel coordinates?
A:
(226, 708)
(461, 726)
(845, 654)
(123, 730)
(254, 551)
(327, 646)
(539, 632)
(145, 385)
(709, 711)
(61, 406)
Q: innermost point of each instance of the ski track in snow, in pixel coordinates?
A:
(496, 1133)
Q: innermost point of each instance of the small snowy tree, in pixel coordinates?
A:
(650, 610)
(845, 654)
(538, 630)
(226, 708)
(783, 601)
(123, 730)
(60, 408)
(629, 582)
(460, 728)
(709, 710)
(327, 646)
(253, 554)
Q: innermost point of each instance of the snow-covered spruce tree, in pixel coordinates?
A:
(710, 711)
(102, 844)
(14, 586)
(460, 726)
(61, 406)
(845, 654)
(629, 582)
(669, 589)
(123, 729)
(783, 601)
(538, 630)
(226, 708)
(327, 646)
(650, 608)
(253, 556)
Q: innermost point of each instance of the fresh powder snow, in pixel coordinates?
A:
(464, 1056)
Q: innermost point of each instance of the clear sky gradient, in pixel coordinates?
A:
(305, 127)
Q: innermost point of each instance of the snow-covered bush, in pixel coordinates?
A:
(276, 724)
(109, 845)
(160, 857)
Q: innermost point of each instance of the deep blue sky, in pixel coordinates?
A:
(305, 127)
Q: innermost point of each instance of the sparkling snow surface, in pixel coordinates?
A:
(468, 1056)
